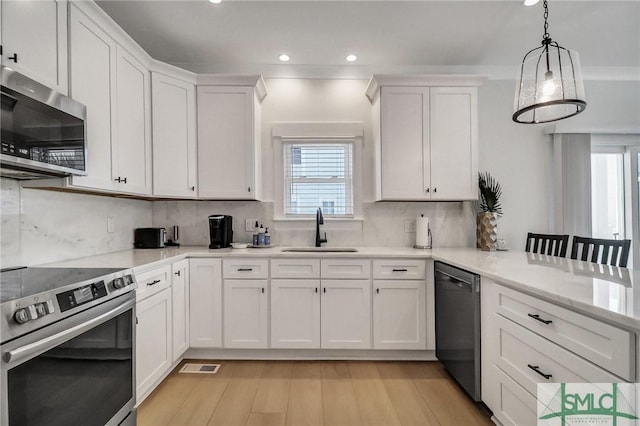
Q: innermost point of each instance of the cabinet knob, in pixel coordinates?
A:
(435, 189)
(13, 58)
(124, 180)
(248, 189)
(193, 188)
(177, 273)
(427, 190)
(262, 289)
(377, 291)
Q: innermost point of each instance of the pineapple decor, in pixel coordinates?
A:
(490, 192)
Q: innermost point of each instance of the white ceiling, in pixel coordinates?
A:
(488, 37)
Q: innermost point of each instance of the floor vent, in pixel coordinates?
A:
(200, 368)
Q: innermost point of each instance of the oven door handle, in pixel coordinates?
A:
(59, 338)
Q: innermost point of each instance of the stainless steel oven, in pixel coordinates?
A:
(75, 366)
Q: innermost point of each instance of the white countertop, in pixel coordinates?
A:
(602, 291)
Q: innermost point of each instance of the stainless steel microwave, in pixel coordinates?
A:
(43, 132)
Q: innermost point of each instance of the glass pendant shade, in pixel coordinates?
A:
(550, 86)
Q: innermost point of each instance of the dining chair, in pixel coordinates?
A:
(605, 252)
(551, 244)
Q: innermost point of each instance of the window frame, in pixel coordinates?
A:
(283, 132)
(347, 180)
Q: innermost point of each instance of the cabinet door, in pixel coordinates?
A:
(404, 127)
(345, 319)
(454, 134)
(180, 308)
(295, 313)
(153, 340)
(205, 307)
(399, 314)
(226, 142)
(132, 144)
(245, 314)
(93, 68)
(174, 136)
(35, 31)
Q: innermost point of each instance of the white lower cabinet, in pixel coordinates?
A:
(346, 314)
(205, 306)
(295, 313)
(308, 312)
(246, 297)
(180, 309)
(527, 341)
(153, 340)
(245, 313)
(399, 314)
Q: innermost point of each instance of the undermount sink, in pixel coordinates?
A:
(320, 249)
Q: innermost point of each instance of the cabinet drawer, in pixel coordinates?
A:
(295, 268)
(345, 268)
(152, 281)
(522, 352)
(605, 345)
(245, 268)
(399, 269)
(513, 405)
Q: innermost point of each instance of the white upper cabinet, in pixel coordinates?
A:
(174, 136)
(93, 68)
(34, 40)
(115, 85)
(131, 147)
(229, 137)
(426, 137)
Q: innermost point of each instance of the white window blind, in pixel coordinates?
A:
(318, 174)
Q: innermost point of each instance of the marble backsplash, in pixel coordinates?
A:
(382, 223)
(47, 226)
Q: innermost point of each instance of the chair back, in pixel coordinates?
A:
(605, 252)
(551, 244)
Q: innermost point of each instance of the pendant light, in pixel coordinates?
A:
(550, 86)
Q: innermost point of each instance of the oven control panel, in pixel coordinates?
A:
(79, 296)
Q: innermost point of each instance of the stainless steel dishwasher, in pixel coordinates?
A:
(458, 325)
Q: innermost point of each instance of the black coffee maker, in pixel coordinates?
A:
(220, 231)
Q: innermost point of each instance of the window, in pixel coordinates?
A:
(318, 174)
(607, 195)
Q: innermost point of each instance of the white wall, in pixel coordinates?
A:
(46, 226)
(41, 226)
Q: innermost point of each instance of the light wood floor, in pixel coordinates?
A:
(299, 393)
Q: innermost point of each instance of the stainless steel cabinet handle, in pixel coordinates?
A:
(537, 370)
(399, 270)
(537, 318)
(154, 282)
(245, 269)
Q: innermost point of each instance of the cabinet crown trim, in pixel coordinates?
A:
(397, 80)
(235, 80)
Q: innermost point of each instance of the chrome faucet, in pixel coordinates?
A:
(319, 221)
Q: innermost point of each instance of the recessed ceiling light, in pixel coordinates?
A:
(284, 57)
(530, 2)
(351, 58)
(216, 1)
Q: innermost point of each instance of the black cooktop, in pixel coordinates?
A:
(23, 282)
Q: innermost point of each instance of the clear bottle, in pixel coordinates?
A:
(261, 236)
(267, 237)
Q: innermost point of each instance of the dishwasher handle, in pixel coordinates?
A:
(453, 280)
